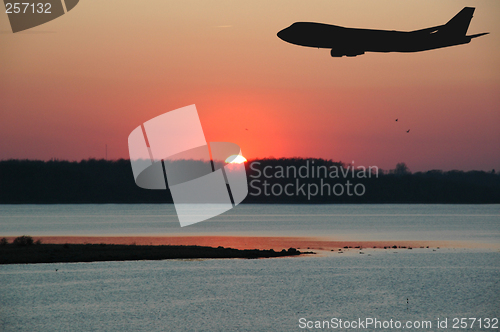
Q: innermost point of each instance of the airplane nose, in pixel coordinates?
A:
(282, 34)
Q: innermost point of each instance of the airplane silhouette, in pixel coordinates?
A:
(352, 41)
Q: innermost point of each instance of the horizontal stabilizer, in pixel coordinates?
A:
(478, 35)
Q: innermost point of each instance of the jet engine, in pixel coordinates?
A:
(350, 53)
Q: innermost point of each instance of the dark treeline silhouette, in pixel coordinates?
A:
(87, 181)
(394, 186)
(101, 181)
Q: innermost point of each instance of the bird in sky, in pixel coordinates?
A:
(396, 120)
(408, 131)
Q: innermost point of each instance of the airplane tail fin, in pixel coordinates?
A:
(459, 24)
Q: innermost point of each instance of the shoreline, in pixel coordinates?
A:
(253, 242)
(72, 249)
(84, 253)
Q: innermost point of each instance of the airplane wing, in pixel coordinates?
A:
(457, 26)
(429, 30)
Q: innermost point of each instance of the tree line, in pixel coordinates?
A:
(283, 181)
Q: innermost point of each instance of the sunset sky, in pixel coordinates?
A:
(88, 78)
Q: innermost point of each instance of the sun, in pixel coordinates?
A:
(236, 159)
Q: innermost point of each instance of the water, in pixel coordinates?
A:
(475, 223)
(256, 295)
(251, 295)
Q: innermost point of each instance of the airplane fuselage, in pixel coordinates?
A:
(334, 37)
(355, 41)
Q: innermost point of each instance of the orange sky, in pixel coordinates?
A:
(88, 78)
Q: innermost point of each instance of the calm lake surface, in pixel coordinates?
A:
(257, 295)
(476, 223)
(251, 295)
